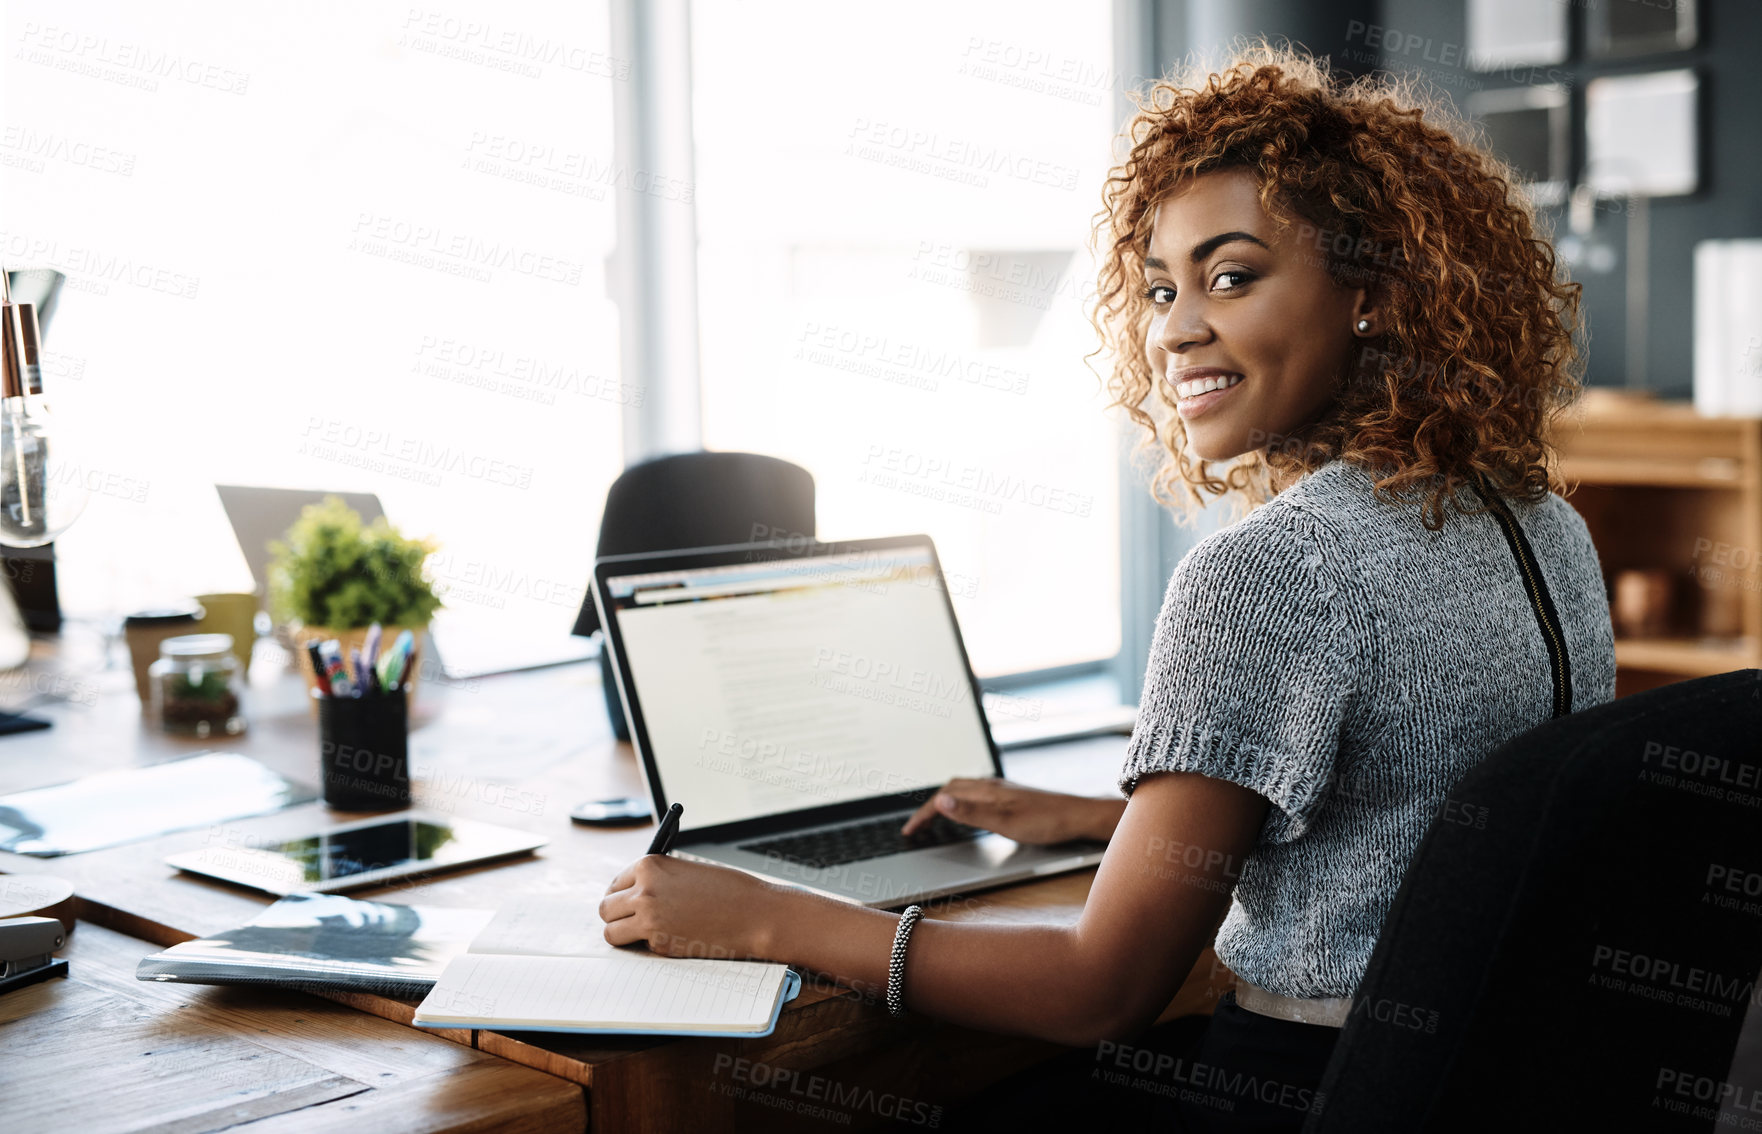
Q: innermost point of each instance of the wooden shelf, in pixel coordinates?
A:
(1688, 472)
(1623, 439)
(1688, 657)
(1665, 489)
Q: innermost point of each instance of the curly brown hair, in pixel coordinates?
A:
(1477, 356)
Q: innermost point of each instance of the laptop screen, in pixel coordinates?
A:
(774, 686)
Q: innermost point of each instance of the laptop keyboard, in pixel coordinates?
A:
(871, 838)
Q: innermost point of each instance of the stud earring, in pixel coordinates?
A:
(1363, 326)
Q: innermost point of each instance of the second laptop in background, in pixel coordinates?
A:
(464, 643)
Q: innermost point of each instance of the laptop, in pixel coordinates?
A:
(801, 700)
(465, 643)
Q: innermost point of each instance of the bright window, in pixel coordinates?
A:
(331, 246)
(893, 208)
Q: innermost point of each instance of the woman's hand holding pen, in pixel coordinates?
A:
(689, 909)
(692, 909)
(1025, 814)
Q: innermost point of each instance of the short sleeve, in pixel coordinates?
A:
(1251, 670)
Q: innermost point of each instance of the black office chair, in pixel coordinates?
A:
(1570, 948)
(696, 500)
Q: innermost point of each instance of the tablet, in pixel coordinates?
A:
(366, 852)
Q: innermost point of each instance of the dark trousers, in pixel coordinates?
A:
(1234, 1071)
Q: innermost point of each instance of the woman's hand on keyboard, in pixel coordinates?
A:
(1025, 814)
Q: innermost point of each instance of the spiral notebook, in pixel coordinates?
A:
(542, 964)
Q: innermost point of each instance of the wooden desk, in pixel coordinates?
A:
(100, 1051)
(520, 750)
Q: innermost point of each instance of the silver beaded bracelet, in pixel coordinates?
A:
(896, 963)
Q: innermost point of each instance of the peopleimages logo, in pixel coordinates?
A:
(504, 48)
(1688, 1085)
(33, 147)
(967, 484)
(1670, 981)
(817, 1096)
(409, 457)
(89, 269)
(1039, 70)
(961, 160)
(903, 362)
(884, 672)
(1206, 1084)
(1703, 772)
(131, 64)
(432, 246)
(791, 766)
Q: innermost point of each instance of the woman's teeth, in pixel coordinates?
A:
(1205, 385)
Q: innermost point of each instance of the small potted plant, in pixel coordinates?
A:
(333, 576)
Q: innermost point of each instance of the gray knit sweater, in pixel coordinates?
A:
(1335, 656)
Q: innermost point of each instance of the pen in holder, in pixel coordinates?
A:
(364, 751)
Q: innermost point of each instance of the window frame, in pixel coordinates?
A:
(657, 241)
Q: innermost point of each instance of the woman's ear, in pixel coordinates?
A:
(1367, 314)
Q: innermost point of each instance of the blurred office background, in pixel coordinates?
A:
(478, 257)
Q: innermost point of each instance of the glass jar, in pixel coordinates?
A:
(198, 686)
(145, 629)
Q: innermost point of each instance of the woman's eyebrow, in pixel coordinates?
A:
(1206, 247)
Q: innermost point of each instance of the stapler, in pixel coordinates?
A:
(27, 948)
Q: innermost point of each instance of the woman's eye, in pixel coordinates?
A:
(1160, 294)
(1244, 277)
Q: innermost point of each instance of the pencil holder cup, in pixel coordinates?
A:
(364, 752)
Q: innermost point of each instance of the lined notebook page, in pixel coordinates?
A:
(546, 925)
(626, 991)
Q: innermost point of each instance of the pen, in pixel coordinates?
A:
(335, 670)
(392, 664)
(358, 662)
(383, 668)
(318, 667)
(370, 648)
(669, 828)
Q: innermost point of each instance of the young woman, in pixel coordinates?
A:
(1326, 289)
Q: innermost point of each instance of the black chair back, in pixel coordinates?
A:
(696, 500)
(1578, 939)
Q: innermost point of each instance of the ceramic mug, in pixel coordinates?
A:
(234, 614)
(1642, 603)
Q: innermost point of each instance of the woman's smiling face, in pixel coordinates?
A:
(1238, 305)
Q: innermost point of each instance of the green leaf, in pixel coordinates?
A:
(332, 570)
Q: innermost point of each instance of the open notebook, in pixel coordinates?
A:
(542, 964)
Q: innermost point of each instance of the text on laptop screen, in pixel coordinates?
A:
(780, 685)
